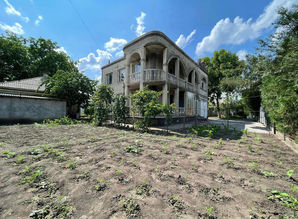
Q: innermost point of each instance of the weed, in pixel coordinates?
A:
(165, 148)
(259, 139)
(268, 174)
(53, 153)
(133, 149)
(143, 188)
(9, 154)
(34, 151)
(254, 167)
(20, 159)
(177, 203)
(245, 132)
(72, 164)
(205, 130)
(287, 200)
(85, 175)
(100, 185)
(208, 155)
(229, 161)
(250, 148)
(294, 188)
(131, 207)
(219, 144)
(2, 144)
(290, 173)
(209, 210)
(32, 175)
(119, 172)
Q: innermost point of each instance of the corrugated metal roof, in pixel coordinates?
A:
(30, 84)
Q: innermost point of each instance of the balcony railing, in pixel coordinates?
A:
(154, 75)
(134, 77)
(189, 86)
(172, 79)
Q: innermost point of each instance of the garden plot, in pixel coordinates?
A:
(82, 171)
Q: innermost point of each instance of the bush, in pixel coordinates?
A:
(120, 110)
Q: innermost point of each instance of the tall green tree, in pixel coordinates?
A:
(22, 58)
(74, 87)
(279, 89)
(223, 65)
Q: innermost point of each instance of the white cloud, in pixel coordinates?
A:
(114, 44)
(238, 31)
(242, 54)
(38, 20)
(16, 28)
(140, 27)
(119, 54)
(61, 49)
(93, 62)
(11, 10)
(183, 42)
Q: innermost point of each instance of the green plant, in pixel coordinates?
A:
(229, 161)
(119, 172)
(219, 144)
(254, 167)
(100, 185)
(165, 148)
(32, 175)
(132, 149)
(120, 110)
(268, 174)
(9, 154)
(2, 144)
(85, 175)
(245, 132)
(146, 104)
(101, 104)
(131, 207)
(208, 155)
(287, 200)
(290, 173)
(72, 164)
(168, 111)
(250, 148)
(20, 159)
(209, 210)
(143, 188)
(53, 153)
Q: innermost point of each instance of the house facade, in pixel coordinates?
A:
(155, 61)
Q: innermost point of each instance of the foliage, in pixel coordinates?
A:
(74, 87)
(224, 65)
(22, 58)
(205, 130)
(100, 185)
(146, 104)
(168, 111)
(101, 104)
(287, 200)
(61, 121)
(9, 154)
(120, 110)
(279, 90)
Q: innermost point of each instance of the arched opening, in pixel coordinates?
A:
(135, 63)
(203, 84)
(196, 78)
(172, 66)
(189, 78)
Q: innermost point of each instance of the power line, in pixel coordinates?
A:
(83, 22)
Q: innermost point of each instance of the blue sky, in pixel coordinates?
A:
(94, 31)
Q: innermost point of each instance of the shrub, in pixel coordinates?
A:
(120, 110)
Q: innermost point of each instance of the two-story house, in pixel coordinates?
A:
(155, 61)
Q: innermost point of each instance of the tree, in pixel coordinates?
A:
(120, 110)
(101, 104)
(74, 87)
(223, 65)
(168, 111)
(146, 104)
(279, 90)
(22, 58)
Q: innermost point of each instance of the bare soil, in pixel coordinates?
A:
(81, 171)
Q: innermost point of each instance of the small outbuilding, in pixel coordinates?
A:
(23, 101)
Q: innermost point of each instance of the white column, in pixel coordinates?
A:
(177, 68)
(185, 103)
(143, 66)
(126, 78)
(193, 77)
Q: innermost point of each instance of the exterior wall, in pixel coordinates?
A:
(30, 109)
(117, 85)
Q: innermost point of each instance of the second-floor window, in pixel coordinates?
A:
(203, 84)
(136, 68)
(122, 75)
(109, 78)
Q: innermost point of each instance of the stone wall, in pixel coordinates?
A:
(28, 109)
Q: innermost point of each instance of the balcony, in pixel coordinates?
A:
(151, 75)
(134, 78)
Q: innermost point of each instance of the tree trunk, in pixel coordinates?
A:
(217, 107)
